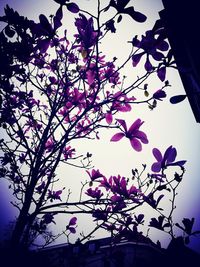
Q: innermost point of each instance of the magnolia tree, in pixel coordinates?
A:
(56, 89)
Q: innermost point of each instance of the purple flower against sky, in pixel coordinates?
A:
(94, 174)
(168, 159)
(73, 221)
(133, 134)
(87, 35)
(68, 152)
(49, 144)
(100, 214)
(152, 44)
(96, 193)
(107, 183)
(71, 225)
(72, 7)
(54, 195)
(159, 94)
(48, 218)
(120, 103)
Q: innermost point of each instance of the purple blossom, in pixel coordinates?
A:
(72, 7)
(22, 158)
(157, 223)
(96, 193)
(139, 219)
(167, 160)
(49, 144)
(101, 214)
(110, 73)
(71, 225)
(48, 218)
(95, 174)
(121, 8)
(120, 103)
(152, 43)
(151, 201)
(54, 195)
(68, 152)
(87, 36)
(158, 95)
(161, 72)
(119, 185)
(133, 134)
(107, 183)
(73, 221)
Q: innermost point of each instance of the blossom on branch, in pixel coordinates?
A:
(159, 94)
(95, 174)
(96, 193)
(168, 159)
(153, 44)
(87, 36)
(133, 134)
(68, 152)
(71, 225)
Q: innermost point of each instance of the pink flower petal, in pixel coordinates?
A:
(148, 66)
(116, 198)
(90, 77)
(142, 136)
(109, 117)
(72, 230)
(135, 143)
(73, 221)
(123, 124)
(156, 167)
(72, 7)
(136, 59)
(125, 108)
(117, 137)
(161, 73)
(172, 155)
(157, 154)
(135, 126)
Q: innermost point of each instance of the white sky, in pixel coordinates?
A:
(166, 125)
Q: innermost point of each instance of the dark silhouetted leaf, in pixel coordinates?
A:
(157, 223)
(161, 187)
(72, 7)
(177, 98)
(137, 16)
(119, 19)
(45, 23)
(139, 218)
(177, 177)
(58, 17)
(161, 73)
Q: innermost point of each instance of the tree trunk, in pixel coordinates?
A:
(17, 235)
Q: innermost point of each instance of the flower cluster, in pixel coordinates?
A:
(154, 45)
